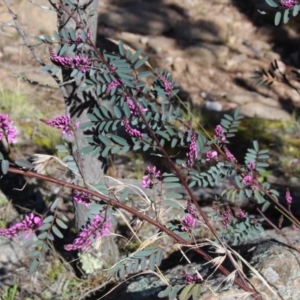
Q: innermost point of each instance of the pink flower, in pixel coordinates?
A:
(133, 108)
(229, 155)
(288, 197)
(191, 211)
(226, 214)
(97, 228)
(219, 133)
(209, 155)
(251, 165)
(288, 3)
(150, 178)
(81, 197)
(247, 180)
(188, 222)
(113, 85)
(193, 152)
(132, 132)
(70, 62)
(63, 123)
(191, 278)
(240, 214)
(29, 225)
(168, 86)
(7, 129)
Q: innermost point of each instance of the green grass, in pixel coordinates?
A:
(26, 113)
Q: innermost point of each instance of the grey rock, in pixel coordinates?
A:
(277, 262)
(205, 54)
(251, 97)
(203, 29)
(263, 111)
(13, 252)
(140, 17)
(161, 43)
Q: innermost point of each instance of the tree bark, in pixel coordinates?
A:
(78, 104)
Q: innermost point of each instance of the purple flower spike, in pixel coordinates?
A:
(226, 214)
(150, 178)
(98, 227)
(288, 197)
(133, 108)
(240, 214)
(209, 155)
(192, 278)
(229, 155)
(191, 211)
(29, 225)
(113, 85)
(251, 165)
(193, 152)
(188, 222)
(247, 180)
(63, 123)
(219, 133)
(70, 62)
(82, 197)
(132, 132)
(288, 3)
(168, 86)
(7, 129)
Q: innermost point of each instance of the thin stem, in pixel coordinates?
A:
(136, 213)
(277, 230)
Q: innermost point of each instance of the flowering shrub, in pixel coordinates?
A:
(152, 122)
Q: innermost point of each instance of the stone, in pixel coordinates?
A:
(269, 255)
(161, 44)
(266, 112)
(140, 17)
(200, 56)
(14, 251)
(251, 97)
(204, 29)
(205, 54)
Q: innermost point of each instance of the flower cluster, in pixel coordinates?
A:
(97, 228)
(7, 129)
(219, 133)
(79, 38)
(288, 197)
(288, 3)
(168, 86)
(209, 155)
(226, 215)
(133, 108)
(63, 123)
(188, 222)
(81, 197)
(193, 152)
(191, 211)
(113, 85)
(251, 166)
(191, 278)
(30, 224)
(229, 155)
(240, 214)
(70, 62)
(247, 180)
(131, 131)
(251, 177)
(150, 178)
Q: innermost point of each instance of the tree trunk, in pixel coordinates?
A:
(77, 105)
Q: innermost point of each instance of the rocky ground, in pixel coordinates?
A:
(212, 50)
